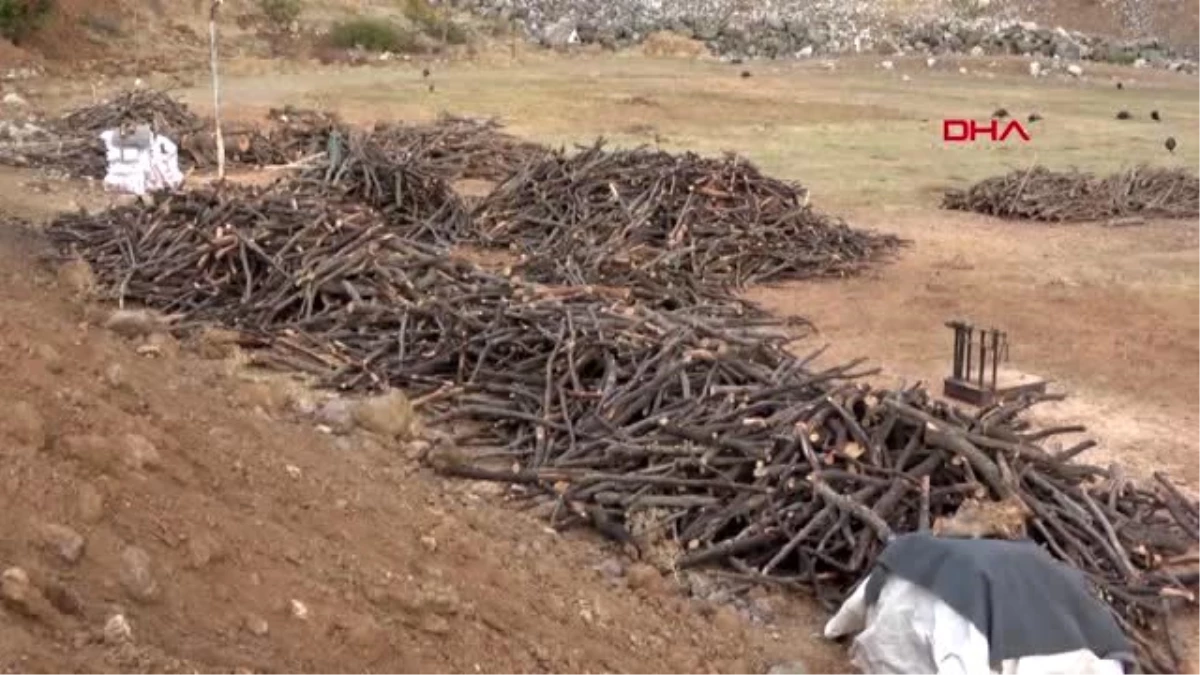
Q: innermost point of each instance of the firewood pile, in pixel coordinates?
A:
(75, 147)
(689, 432)
(460, 148)
(681, 227)
(290, 136)
(1052, 196)
(451, 148)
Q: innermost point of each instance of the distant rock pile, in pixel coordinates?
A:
(798, 29)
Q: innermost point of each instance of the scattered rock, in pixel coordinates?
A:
(77, 277)
(561, 33)
(887, 65)
(136, 575)
(434, 625)
(14, 100)
(50, 357)
(776, 29)
(266, 395)
(788, 668)
(139, 453)
(216, 343)
(390, 415)
(204, 549)
(92, 449)
(90, 503)
(1035, 68)
(135, 323)
(114, 376)
(1075, 69)
(25, 427)
(643, 576)
(610, 568)
(336, 414)
(63, 598)
(726, 619)
(417, 450)
(117, 630)
(17, 592)
(256, 625)
(298, 609)
(66, 543)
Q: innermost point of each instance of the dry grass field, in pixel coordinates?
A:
(1110, 313)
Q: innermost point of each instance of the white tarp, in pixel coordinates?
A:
(140, 162)
(910, 630)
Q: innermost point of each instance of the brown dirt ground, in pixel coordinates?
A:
(250, 507)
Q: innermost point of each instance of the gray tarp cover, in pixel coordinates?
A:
(1022, 600)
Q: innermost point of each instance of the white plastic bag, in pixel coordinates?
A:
(137, 168)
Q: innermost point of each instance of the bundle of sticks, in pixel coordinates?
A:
(693, 432)
(291, 136)
(460, 148)
(414, 196)
(75, 147)
(667, 225)
(81, 157)
(257, 258)
(165, 115)
(1042, 194)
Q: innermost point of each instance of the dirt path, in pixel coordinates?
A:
(1108, 314)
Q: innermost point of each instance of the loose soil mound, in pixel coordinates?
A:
(239, 507)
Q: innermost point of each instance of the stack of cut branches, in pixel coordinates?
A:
(736, 452)
(1042, 194)
(458, 148)
(674, 227)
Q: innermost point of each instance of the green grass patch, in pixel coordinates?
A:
(20, 19)
(371, 34)
(280, 13)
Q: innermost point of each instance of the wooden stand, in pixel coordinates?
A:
(970, 381)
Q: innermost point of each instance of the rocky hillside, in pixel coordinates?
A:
(799, 28)
(1151, 32)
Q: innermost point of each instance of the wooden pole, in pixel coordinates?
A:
(216, 86)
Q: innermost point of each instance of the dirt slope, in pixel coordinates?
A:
(242, 507)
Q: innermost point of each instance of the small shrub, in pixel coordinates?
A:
(1124, 57)
(433, 23)
(421, 12)
(281, 13)
(376, 35)
(501, 28)
(20, 19)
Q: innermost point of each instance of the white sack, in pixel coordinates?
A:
(139, 170)
(910, 630)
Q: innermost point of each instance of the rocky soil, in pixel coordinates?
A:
(792, 28)
(166, 510)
